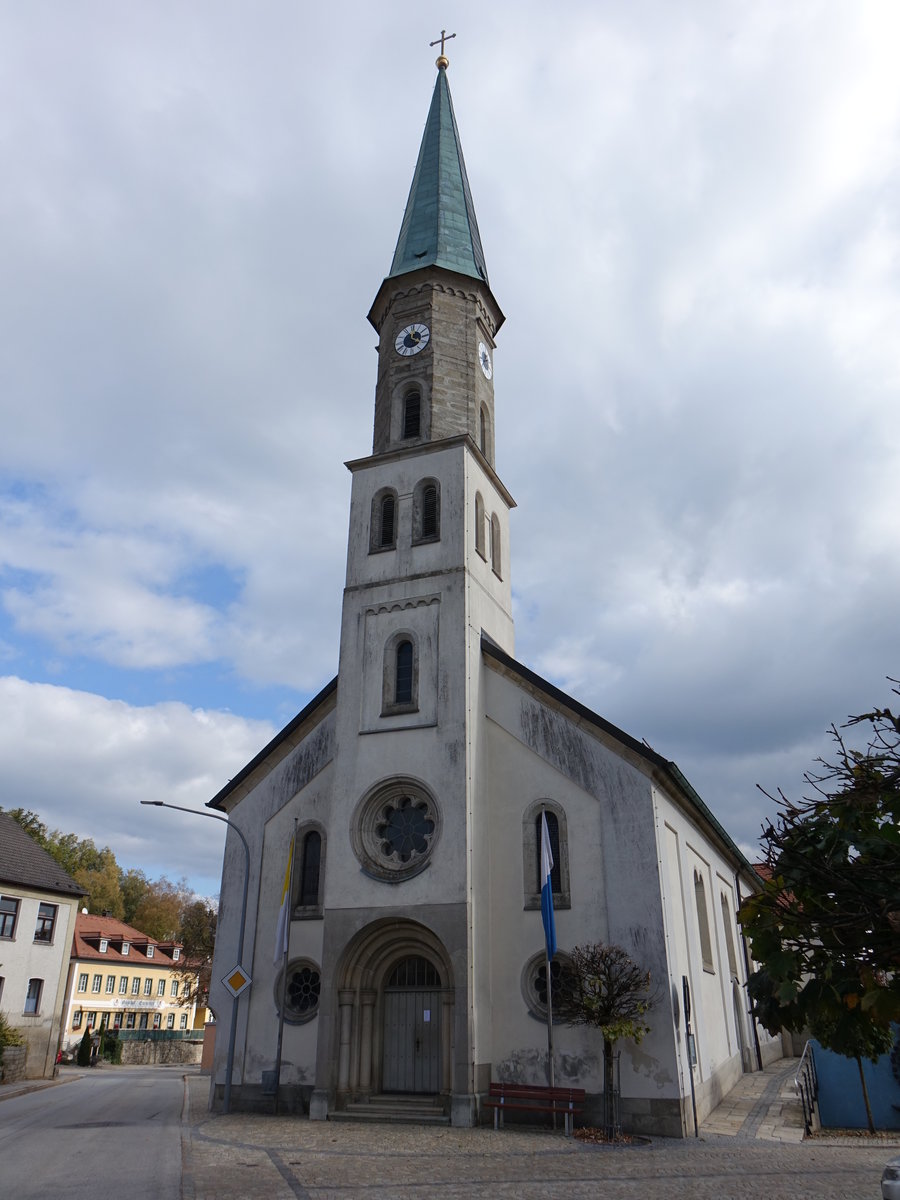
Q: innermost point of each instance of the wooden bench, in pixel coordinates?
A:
(526, 1097)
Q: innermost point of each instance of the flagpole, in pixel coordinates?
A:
(284, 966)
(549, 936)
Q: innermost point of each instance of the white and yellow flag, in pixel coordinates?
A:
(283, 927)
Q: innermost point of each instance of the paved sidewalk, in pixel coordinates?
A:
(762, 1105)
(290, 1158)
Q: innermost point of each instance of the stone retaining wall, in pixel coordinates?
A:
(12, 1063)
(151, 1053)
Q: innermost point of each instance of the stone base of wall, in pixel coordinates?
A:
(13, 1061)
(150, 1053)
(293, 1099)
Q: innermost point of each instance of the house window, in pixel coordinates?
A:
(184, 1020)
(174, 989)
(82, 982)
(150, 950)
(126, 946)
(110, 984)
(123, 985)
(96, 983)
(426, 511)
(9, 909)
(157, 1020)
(170, 1021)
(729, 936)
(76, 1018)
(495, 545)
(412, 414)
(91, 1019)
(148, 987)
(117, 1020)
(176, 954)
(703, 923)
(143, 1021)
(129, 1020)
(383, 533)
(401, 669)
(479, 525)
(33, 997)
(104, 945)
(531, 854)
(161, 987)
(309, 868)
(136, 986)
(46, 919)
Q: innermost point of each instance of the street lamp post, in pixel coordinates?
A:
(229, 1067)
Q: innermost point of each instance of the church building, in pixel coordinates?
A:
(414, 784)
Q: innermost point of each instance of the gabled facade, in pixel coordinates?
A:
(415, 779)
(38, 903)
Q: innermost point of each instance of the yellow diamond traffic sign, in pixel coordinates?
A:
(237, 980)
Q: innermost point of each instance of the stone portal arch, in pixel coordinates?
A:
(394, 1021)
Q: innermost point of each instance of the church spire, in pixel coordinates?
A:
(439, 226)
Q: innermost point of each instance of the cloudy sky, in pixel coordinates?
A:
(690, 215)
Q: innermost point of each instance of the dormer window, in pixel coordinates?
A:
(126, 946)
(176, 953)
(104, 945)
(150, 951)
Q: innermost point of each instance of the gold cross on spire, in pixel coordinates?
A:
(442, 59)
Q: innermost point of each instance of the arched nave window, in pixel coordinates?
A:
(531, 854)
(309, 874)
(479, 525)
(495, 545)
(703, 923)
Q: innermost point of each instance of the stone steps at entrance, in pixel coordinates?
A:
(408, 1110)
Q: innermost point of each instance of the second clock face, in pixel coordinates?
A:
(412, 339)
(485, 359)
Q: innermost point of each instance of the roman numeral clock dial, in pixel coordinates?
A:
(412, 339)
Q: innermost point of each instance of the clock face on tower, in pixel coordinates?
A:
(412, 339)
(485, 359)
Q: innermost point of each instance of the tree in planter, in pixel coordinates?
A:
(604, 988)
(825, 927)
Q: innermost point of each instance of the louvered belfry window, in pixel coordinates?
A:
(403, 692)
(387, 521)
(412, 415)
(429, 511)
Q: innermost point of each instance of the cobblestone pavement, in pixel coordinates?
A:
(286, 1158)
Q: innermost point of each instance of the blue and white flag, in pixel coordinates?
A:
(547, 888)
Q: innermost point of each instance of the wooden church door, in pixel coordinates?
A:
(412, 1030)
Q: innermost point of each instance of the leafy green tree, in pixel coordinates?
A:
(104, 893)
(159, 911)
(198, 938)
(603, 987)
(825, 927)
(134, 885)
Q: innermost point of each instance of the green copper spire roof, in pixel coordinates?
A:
(439, 227)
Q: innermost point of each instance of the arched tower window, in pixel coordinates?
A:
(495, 545)
(403, 676)
(482, 432)
(427, 511)
(479, 525)
(383, 528)
(412, 414)
(400, 677)
(703, 923)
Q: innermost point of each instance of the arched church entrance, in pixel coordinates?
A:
(395, 1012)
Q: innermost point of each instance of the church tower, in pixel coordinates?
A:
(427, 577)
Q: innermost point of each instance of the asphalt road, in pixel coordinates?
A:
(112, 1133)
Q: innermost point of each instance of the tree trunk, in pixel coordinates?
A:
(865, 1091)
(609, 1083)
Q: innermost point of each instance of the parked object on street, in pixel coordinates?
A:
(890, 1180)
